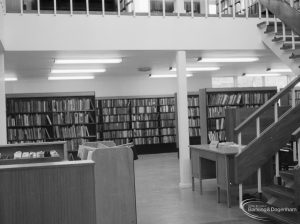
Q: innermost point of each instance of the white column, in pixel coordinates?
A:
(183, 124)
(2, 102)
(179, 6)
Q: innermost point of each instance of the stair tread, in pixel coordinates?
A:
(287, 174)
(280, 191)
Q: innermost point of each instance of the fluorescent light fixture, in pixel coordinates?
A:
(280, 70)
(10, 79)
(252, 59)
(196, 69)
(70, 77)
(167, 75)
(81, 71)
(88, 61)
(260, 74)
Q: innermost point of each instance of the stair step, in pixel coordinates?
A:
(260, 25)
(275, 39)
(294, 56)
(280, 191)
(288, 174)
(288, 46)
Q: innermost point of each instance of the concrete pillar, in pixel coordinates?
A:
(179, 6)
(183, 124)
(2, 100)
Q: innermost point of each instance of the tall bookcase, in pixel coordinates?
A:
(286, 100)
(214, 102)
(147, 121)
(51, 117)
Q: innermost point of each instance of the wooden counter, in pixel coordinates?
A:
(48, 193)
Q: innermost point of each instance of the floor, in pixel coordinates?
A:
(161, 201)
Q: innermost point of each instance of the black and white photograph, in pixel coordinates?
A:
(149, 111)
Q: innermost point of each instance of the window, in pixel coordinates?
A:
(279, 81)
(249, 81)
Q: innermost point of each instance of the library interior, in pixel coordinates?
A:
(149, 111)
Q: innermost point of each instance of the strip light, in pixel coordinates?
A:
(252, 59)
(70, 71)
(280, 70)
(167, 75)
(10, 79)
(88, 61)
(261, 74)
(196, 69)
(70, 77)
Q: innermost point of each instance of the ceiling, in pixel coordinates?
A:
(35, 64)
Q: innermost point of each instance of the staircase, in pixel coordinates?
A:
(280, 32)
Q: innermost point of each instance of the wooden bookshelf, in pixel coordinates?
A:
(147, 121)
(215, 101)
(48, 117)
(286, 100)
(7, 152)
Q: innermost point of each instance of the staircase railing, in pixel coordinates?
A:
(255, 117)
(285, 11)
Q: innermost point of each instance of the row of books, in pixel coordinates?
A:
(168, 131)
(144, 102)
(117, 134)
(216, 124)
(194, 122)
(115, 111)
(194, 111)
(167, 123)
(194, 132)
(116, 126)
(167, 116)
(145, 109)
(115, 118)
(113, 103)
(216, 112)
(28, 120)
(146, 132)
(28, 106)
(256, 98)
(72, 118)
(168, 139)
(145, 124)
(72, 104)
(216, 136)
(71, 132)
(144, 117)
(193, 101)
(224, 99)
(148, 141)
(167, 108)
(27, 134)
(167, 101)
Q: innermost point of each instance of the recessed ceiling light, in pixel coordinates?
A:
(260, 74)
(166, 75)
(88, 61)
(70, 71)
(196, 69)
(252, 59)
(280, 70)
(70, 77)
(10, 79)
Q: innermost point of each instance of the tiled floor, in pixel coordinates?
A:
(161, 201)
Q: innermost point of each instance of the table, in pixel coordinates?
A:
(209, 162)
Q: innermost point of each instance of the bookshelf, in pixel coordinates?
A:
(286, 100)
(214, 102)
(240, 7)
(51, 117)
(147, 121)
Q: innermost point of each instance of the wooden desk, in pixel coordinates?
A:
(48, 193)
(210, 162)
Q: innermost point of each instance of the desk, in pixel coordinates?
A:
(209, 162)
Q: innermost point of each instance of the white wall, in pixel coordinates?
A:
(108, 86)
(80, 32)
